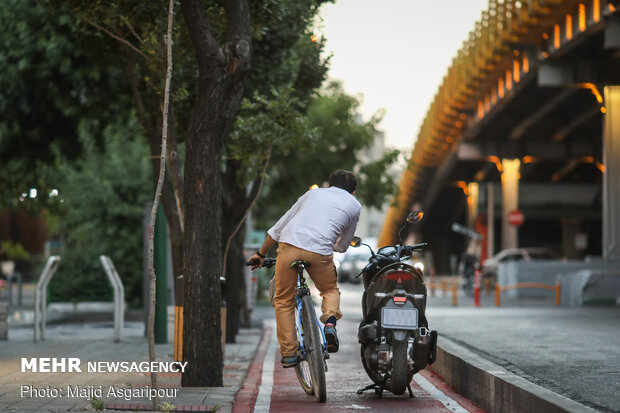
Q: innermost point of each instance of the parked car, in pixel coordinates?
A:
(490, 265)
(351, 265)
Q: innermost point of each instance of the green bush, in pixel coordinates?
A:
(102, 198)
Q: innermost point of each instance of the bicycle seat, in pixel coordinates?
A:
(297, 263)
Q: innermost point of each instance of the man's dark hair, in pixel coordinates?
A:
(343, 179)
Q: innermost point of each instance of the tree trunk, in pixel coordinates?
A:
(222, 73)
(235, 280)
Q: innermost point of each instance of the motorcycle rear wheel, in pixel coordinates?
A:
(400, 374)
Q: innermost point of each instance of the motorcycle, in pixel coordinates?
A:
(395, 339)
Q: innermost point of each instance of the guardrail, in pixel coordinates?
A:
(443, 285)
(557, 288)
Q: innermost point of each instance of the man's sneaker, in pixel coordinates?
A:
(290, 361)
(332, 338)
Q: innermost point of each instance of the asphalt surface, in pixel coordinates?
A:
(280, 390)
(573, 351)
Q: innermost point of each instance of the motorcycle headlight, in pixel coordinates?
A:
(419, 265)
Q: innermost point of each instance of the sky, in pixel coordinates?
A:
(395, 53)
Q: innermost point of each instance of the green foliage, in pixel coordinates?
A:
(377, 185)
(167, 407)
(287, 68)
(267, 123)
(103, 196)
(342, 137)
(49, 83)
(97, 403)
(13, 251)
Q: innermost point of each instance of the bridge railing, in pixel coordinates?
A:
(557, 288)
(506, 44)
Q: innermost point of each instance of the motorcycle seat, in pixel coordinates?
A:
(297, 263)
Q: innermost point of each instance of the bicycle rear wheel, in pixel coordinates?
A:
(302, 370)
(314, 349)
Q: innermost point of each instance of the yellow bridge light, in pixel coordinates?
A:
(582, 17)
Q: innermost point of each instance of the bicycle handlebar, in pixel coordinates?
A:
(269, 262)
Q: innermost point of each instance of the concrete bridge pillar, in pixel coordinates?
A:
(611, 177)
(510, 201)
(472, 203)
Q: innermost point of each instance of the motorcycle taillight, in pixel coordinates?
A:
(399, 276)
(400, 300)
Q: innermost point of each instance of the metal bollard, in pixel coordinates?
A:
(558, 294)
(498, 291)
(487, 286)
(455, 288)
(444, 287)
(477, 277)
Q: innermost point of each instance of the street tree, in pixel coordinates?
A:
(341, 138)
(52, 85)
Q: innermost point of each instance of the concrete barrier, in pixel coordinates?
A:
(583, 282)
(494, 388)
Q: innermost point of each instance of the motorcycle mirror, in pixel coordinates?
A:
(414, 217)
(356, 242)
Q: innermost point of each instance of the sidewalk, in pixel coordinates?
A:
(48, 392)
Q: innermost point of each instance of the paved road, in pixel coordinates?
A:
(571, 351)
(281, 392)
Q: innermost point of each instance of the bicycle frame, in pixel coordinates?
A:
(303, 290)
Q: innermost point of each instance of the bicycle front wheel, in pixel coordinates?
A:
(314, 349)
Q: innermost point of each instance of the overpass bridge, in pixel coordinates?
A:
(527, 119)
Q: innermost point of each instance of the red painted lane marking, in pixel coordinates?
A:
(288, 396)
(438, 382)
(245, 399)
(149, 407)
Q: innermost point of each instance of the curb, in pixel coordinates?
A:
(494, 388)
(245, 399)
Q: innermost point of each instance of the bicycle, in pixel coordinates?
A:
(312, 354)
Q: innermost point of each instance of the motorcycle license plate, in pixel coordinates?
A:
(400, 318)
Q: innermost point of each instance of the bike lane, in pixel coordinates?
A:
(279, 389)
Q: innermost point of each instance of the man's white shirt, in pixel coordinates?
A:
(323, 220)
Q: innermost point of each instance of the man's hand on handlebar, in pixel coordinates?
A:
(260, 263)
(256, 261)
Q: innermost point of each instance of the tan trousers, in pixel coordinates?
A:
(322, 271)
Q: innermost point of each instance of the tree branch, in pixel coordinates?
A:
(247, 211)
(133, 84)
(151, 229)
(115, 36)
(238, 21)
(174, 170)
(131, 29)
(200, 32)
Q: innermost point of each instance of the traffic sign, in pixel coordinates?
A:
(515, 218)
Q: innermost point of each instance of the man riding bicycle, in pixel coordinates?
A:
(322, 221)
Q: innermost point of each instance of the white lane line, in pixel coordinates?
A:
(447, 401)
(263, 400)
